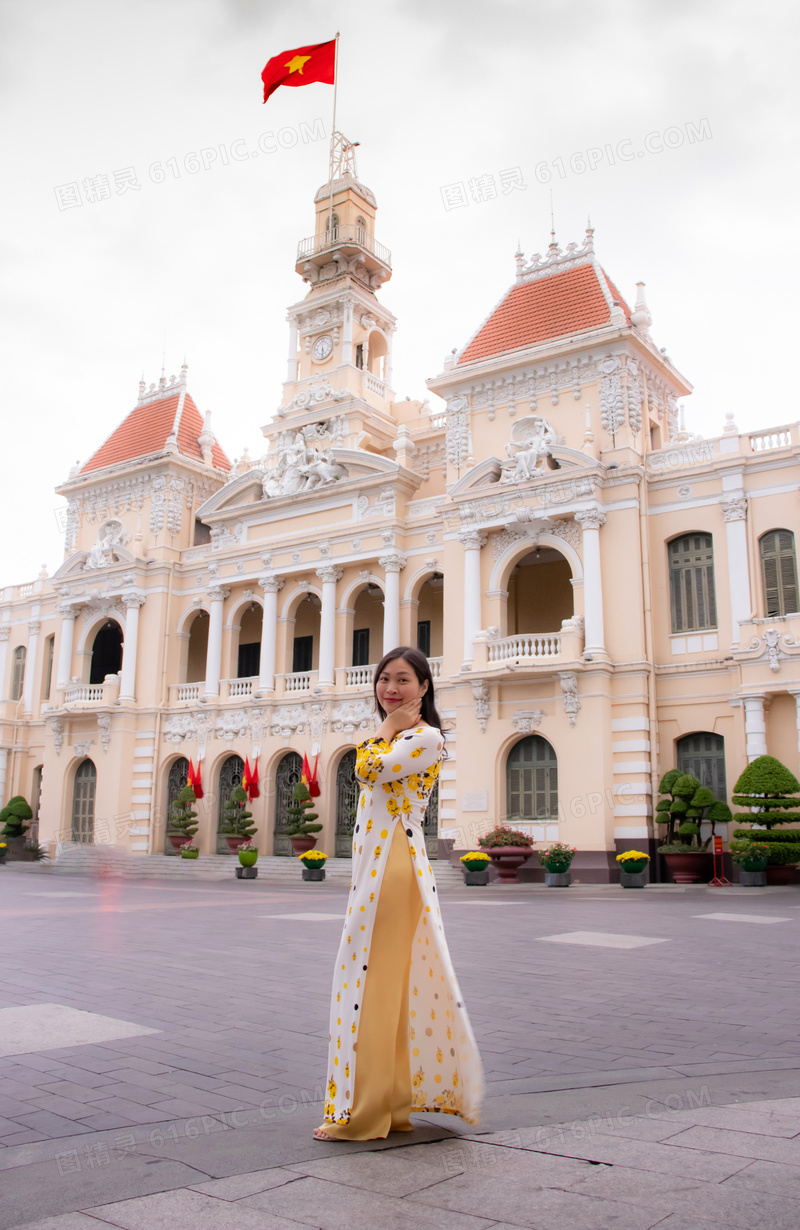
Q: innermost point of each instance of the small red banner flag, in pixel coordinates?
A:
(193, 780)
(305, 776)
(302, 66)
(313, 784)
(253, 790)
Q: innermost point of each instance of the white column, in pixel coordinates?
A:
(34, 628)
(392, 565)
(590, 521)
(734, 511)
(347, 332)
(68, 616)
(796, 696)
(291, 366)
(472, 542)
(755, 727)
(127, 687)
(5, 632)
(269, 632)
(327, 624)
(217, 595)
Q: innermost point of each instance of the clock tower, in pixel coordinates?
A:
(340, 335)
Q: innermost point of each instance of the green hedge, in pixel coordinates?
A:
(781, 854)
(783, 836)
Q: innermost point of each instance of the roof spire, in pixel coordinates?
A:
(554, 248)
(519, 257)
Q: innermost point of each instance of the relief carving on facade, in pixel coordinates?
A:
(304, 462)
(529, 448)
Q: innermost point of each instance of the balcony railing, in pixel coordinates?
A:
(240, 687)
(339, 236)
(362, 676)
(298, 681)
(764, 440)
(525, 647)
(83, 692)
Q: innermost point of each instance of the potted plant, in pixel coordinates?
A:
(767, 788)
(687, 806)
(236, 828)
(301, 815)
(248, 853)
(190, 850)
(14, 817)
(182, 826)
(633, 868)
(752, 858)
(313, 864)
(508, 849)
(556, 860)
(476, 867)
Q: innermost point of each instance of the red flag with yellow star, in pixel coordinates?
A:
(303, 66)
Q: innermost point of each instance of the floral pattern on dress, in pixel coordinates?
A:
(442, 1050)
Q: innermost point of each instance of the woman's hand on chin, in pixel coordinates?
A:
(402, 717)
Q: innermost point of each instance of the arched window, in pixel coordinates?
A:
(83, 803)
(230, 776)
(178, 778)
(331, 227)
(691, 583)
(361, 230)
(532, 781)
(197, 649)
(18, 673)
(287, 775)
(347, 792)
(778, 572)
(106, 652)
(703, 756)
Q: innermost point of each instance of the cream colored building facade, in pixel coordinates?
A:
(602, 594)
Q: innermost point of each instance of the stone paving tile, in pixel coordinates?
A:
(742, 1119)
(768, 1176)
(741, 1144)
(66, 1221)
(337, 1207)
(240, 1185)
(68, 1107)
(53, 1125)
(134, 1111)
(187, 1210)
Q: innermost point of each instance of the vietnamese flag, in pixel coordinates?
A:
(303, 66)
(305, 776)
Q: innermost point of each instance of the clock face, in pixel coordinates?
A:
(322, 348)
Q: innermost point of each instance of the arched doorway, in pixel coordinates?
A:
(106, 652)
(347, 792)
(230, 776)
(178, 778)
(287, 775)
(540, 594)
(83, 795)
(532, 781)
(703, 756)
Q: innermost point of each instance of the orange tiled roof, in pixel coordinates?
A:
(146, 429)
(544, 308)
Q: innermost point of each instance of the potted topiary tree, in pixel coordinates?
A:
(14, 817)
(182, 826)
(508, 849)
(766, 787)
(236, 827)
(689, 804)
(300, 825)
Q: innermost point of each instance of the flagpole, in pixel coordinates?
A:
(333, 133)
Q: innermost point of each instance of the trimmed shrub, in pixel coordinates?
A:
(788, 836)
(766, 786)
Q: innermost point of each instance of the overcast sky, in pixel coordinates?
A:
(439, 93)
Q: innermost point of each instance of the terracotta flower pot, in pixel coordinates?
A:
(301, 844)
(693, 867)
(508, 860)
(781, 875)
(176, 840)
(234, 841)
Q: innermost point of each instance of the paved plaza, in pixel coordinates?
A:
(162, 1054)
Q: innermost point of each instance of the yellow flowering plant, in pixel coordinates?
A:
(475, 860)
(633, 856)
(312, 859)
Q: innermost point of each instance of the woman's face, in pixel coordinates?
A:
(398, 683)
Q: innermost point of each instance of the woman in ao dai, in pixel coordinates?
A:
(400, 1038)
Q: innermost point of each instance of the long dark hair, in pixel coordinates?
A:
(421, 667)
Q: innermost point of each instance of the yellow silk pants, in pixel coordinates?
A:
(382, 1091)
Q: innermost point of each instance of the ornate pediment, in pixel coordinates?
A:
(489, 474)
